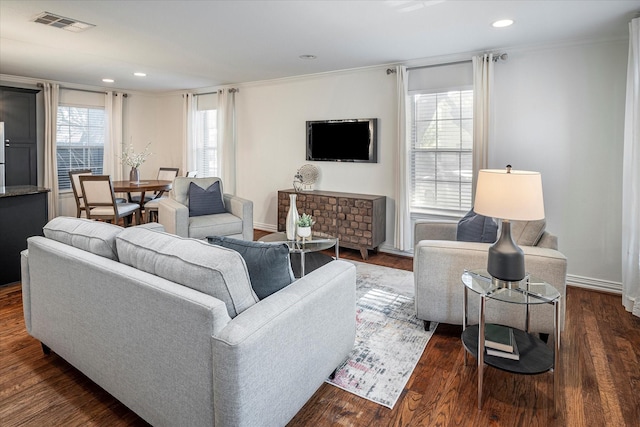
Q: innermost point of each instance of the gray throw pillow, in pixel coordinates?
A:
(205, 201)
(268, 264)
(477, 228)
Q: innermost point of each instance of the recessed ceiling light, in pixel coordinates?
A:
(307, 57)
(140, 74)
(502, 23)
(108, 80)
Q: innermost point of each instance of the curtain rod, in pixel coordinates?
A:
(84, 90)
(496, 57)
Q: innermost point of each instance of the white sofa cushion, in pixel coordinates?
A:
(92, 236)
(213, 270)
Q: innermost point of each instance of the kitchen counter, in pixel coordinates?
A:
(23, 213)
(21, 190)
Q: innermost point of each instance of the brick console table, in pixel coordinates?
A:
(358, 220)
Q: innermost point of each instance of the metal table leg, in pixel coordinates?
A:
(481, 350)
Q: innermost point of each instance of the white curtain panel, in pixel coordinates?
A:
(189, 110)
(482, 113)
(403, 234)
(51, 94)
(631, 178)
(112, 159)
(227, 138)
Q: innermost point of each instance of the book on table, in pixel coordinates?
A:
(513, 355)
(498, 337)
(499, 341)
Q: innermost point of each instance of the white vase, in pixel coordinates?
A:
(292, 217)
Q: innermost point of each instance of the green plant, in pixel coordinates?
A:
(305, 220)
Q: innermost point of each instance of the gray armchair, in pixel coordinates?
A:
(173, 213)
(439, 261)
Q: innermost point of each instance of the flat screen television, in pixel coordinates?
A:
(354, 140)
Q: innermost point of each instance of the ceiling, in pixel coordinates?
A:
(197, 44)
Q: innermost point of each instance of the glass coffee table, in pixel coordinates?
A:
(316, 243)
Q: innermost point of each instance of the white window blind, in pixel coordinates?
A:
(441, 139)
(79, 141)
(206, 135)
(441, 151)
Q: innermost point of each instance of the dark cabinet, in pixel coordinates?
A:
(18, 112)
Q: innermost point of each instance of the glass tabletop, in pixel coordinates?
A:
(317, 242)
(530, 290)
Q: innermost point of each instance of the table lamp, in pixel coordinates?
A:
(508, 195)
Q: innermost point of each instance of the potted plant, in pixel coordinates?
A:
(304, 225)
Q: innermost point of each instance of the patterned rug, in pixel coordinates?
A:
(389, 338)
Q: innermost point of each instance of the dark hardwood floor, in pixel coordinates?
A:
(600, 378)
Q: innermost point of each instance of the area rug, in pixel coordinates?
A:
(389, 338)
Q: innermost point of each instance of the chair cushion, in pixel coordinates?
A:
(205, 201)
(476, 228)
(224, 224)
(527, 233)
(213, 270)
(268, 263)
(92, 236)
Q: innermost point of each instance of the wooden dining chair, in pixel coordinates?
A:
(164, 174)
(100, 201)
(74, 176)
(151, 206)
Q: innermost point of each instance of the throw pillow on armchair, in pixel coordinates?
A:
(476, 228)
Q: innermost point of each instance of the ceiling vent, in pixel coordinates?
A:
(57, 21)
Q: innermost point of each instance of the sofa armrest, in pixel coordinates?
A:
(26, 288)
(438, 266)
(434, 230)
(174, 217)
(271, 358)
(242, 208)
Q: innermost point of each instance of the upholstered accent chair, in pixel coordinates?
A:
(439, 261)
(175, 215)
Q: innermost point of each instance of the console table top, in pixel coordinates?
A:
(334, 194)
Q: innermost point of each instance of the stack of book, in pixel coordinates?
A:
(499, 341)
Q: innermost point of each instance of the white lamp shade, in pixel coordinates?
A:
(514, 195)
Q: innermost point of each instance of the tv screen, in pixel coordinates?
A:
(342, 140)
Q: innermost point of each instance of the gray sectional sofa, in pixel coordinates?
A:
(171, 327)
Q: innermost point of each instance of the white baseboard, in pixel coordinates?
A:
(594, 284)
(265, 227)
(572, 279)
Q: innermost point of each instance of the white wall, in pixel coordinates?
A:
(155, 119)
(271, 136)
(560, 111)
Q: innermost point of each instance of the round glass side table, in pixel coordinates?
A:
(535, 357)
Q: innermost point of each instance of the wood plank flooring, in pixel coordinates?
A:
(600, 378)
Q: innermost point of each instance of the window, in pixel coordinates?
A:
(441, 151)
(79, 141)
(206, 135)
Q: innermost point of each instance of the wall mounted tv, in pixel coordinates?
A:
(354, 140)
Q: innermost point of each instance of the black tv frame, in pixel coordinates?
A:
(373, 141)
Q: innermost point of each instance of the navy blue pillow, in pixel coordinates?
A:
(477, 228)
(268, 264)
(205, 202)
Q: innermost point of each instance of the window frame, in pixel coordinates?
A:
(201, 149)
(433, 212)
(94, 169)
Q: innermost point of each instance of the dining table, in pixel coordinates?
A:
(141, 187)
